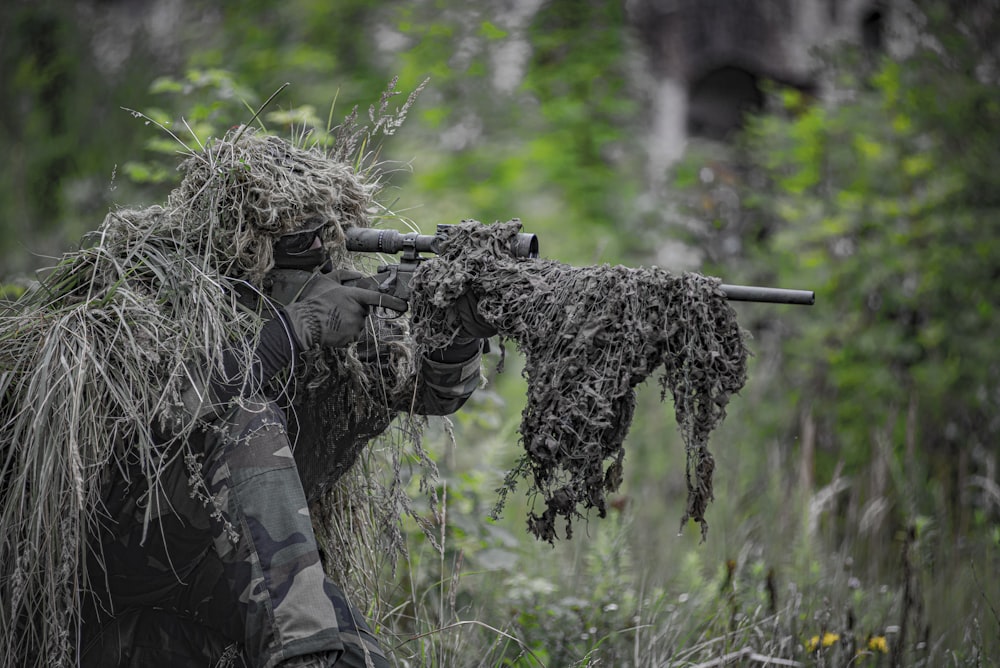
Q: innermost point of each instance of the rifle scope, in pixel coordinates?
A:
(374, 240)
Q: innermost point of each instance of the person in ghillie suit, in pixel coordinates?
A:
(176, 393)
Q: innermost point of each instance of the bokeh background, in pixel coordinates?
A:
(848, 147)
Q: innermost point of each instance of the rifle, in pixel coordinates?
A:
(394, 279)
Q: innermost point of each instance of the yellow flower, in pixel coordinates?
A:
(816, 642)
(878, 644)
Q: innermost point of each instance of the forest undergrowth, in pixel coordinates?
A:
(585, 609)
(777, 589)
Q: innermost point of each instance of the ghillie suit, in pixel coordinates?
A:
(590, 335)
(98, 362)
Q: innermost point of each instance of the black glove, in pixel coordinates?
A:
(329, 314)
(474, 326)
(471, 337)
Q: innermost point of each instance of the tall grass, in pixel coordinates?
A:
(778, 582)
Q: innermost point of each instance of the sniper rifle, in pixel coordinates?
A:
(394, 279)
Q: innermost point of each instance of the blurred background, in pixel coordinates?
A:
(848, 147)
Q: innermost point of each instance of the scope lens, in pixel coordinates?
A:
(525, 245)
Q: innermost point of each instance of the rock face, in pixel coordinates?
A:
(708, 57)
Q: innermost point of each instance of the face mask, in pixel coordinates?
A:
(296, 256)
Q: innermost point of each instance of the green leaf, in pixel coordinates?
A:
(491, 32)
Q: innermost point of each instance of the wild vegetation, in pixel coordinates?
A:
(857, 496)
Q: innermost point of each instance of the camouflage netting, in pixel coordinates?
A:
(95, 357)
(590, 335)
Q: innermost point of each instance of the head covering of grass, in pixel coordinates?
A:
(590, 335)
(95, 357)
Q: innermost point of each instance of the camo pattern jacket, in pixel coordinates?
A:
(229, 575)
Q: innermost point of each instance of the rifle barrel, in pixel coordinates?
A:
(752, 293)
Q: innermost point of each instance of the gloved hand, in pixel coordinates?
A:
(474, 326)
(470, 338)
(329, 314)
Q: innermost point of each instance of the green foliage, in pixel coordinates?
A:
(882, 198)
(879, 205)
(320, 47)
(60, 125)
(586, 604)
(557, 151)
(11, 291)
